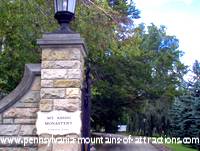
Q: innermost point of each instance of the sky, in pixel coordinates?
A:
(182, 19)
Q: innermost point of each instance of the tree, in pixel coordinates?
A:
(131, 68)
(165, 76)
(186, 115)
(21, 24)
(136, 76)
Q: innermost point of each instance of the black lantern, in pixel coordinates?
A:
(64, 13)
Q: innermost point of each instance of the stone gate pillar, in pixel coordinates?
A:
(62, 75)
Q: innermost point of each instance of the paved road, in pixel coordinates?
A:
(130, 147)
(133, 146)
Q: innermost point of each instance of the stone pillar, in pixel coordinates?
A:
(62, 74)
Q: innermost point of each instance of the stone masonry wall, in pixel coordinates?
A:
(19, 120)
(61, 79)
(55, 84)
(61, 83)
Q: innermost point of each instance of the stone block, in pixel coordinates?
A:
(27, 130)
(47, 83)
(31, 97)
(74, 74)
(20, 113)
(9, 129)
(18, 149)
(52, 54)
(27, 105)
(46, 105)
(52, 93)
(66, 147)
(67, 83)
(8, 121)
(73, 64)
(70, 105)
(1, 118)
(53, 74)
(25, 121)
(45, 147)
(73, 93)
(36, 84)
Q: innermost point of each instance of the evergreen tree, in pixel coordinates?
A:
(185, 112)
(195, 93)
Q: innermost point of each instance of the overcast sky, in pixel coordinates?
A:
(182, 19)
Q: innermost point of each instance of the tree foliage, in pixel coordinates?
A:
(141, 74)
(186, 109)
(21, 24)
(134, 69)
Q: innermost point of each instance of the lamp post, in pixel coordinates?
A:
(63, 55)
(64, 14)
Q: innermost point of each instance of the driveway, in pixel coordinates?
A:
(126, 147)
(132, 146)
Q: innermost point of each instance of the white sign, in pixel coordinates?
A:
(58, 122)
(122, 128)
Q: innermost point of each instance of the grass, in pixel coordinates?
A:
(179, 147)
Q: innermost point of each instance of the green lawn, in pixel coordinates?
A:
(179, 147)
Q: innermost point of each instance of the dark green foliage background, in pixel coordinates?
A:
(134, 75)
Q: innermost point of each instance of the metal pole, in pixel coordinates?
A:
(86, 107)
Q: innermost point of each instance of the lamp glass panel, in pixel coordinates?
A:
(71, 6)
(55, 6)
(59, 5)
(65, 3)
